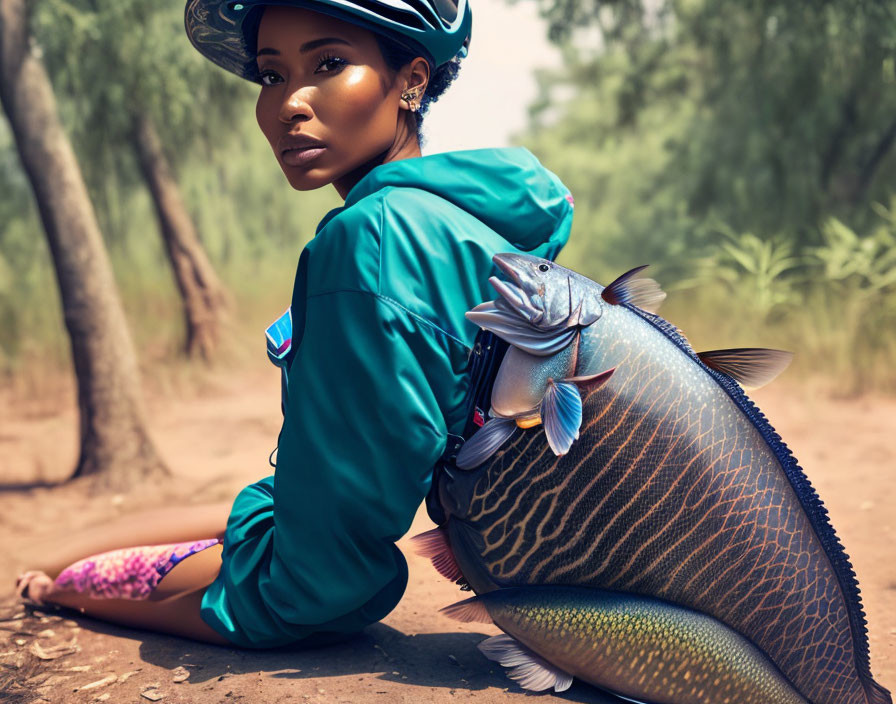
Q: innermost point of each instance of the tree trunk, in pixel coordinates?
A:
(204, 298)
(881, 149)
(115, 446)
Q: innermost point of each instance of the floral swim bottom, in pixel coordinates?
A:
(128, 573)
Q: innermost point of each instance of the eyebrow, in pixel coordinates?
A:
(307, 46)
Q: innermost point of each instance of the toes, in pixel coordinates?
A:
(33, 586)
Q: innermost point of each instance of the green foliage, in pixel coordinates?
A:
(741, 149)
(744, 262)
(853, 305)
(252, 224)
(112, 59)
(107, 59)
(834, 305)
(773, 116)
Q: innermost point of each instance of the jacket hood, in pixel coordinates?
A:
(507, 189)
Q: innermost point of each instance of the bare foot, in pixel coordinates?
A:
(34, 586)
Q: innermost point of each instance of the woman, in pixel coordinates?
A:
(374, 346)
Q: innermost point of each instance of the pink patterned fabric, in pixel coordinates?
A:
(128, 573)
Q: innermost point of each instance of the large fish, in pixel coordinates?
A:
(627, 515)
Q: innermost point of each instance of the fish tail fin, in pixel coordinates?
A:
(875, 694)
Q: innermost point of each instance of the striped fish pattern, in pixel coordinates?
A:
(676, 489)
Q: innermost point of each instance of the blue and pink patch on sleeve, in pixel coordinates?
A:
(279, 338)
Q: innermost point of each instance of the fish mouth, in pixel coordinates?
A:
(503, 262)
(514, 291)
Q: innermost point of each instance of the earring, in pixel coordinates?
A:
(411, 97)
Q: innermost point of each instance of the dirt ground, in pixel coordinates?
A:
(217, 438)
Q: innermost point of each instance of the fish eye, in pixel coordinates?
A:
(543, 267)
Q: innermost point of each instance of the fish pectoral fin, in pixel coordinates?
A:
(749, 366)
(528, 669)
(561, 413)
(485, 442)
(433, 544)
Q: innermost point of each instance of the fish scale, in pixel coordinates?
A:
(677, 489)
(673, 660)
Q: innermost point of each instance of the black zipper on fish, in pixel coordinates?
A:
(482, 369)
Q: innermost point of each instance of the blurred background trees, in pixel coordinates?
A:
(167, 145)
(746, 151)
(115, 445)
(128, 86)
(159, 149)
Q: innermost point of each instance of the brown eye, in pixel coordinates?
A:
(269, 78)
(334, 63)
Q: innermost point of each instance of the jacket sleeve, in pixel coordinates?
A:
(362, 429)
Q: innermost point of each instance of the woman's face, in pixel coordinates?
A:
(325, 79)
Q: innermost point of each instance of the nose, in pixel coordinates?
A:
(295, 107)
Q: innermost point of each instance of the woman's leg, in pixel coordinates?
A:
(173, 607)
(160, 526)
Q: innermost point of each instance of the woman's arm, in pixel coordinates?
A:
(363, 428)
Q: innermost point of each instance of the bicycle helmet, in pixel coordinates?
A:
(224, 31)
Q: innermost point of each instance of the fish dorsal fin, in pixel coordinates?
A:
(748, 366)
(629, 288)
(433, 544)
(529, 669)
(468, 611)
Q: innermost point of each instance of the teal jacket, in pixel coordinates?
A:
(375, 383)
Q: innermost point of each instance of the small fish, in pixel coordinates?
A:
(542, 312)
(602, 637)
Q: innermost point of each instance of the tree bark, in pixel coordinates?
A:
(204, 298)
(881, 149)
(116, 448)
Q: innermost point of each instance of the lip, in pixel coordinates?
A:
(293, 140)
(299, 149)
(300, 157)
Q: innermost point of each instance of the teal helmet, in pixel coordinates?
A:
(224, 31)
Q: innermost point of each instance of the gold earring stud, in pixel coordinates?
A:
(411, 97)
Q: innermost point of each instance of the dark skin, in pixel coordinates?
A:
(343, 94)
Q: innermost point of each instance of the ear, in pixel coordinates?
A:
(416, 78)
